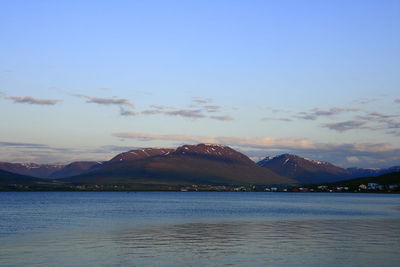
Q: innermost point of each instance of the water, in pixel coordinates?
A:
(199, 229)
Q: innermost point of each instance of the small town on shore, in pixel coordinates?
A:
(361, 188)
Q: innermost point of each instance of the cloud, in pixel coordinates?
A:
(368, 154)
(392, 124)
(194, 111)
(26, 145)
(275, 119)
(7, 70)
(201, 100)
(249, 142)
(161, 107)
(125, 112)
(41, 153)
(306, 116)
(263, 142)
(315, 113)
(397, 100)
(382, 122)
(169, 137)
(332, 111)
(188, 113)
(346, 125)
(276, 110)
(31, 100)
(106, 100)
(152, 112)
(364, 101)
(222, 118)
(212, 108)
(381, 115)
(353, 159)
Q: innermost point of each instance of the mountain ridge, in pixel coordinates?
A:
(187, 164)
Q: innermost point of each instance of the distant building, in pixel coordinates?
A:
(362, 187)
(373, 186)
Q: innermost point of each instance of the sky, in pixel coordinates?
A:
(86, 80)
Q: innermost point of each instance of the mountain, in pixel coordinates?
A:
(189, 164)
(31, 169)
(8, 178)
(140, 154)
(74, 168)
(360, 172)
(304, 171)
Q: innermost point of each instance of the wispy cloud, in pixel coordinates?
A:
(392, 124)
(26, 145)
(161, 107)
(276, 110)
(33, 101)
(168, 137)
(353, 159)
(106, 100)
(188, 113)
(255, 142)
(397, 100)
(306, 116)
(275, 119)
(379, 115)
(197, 110)
(222, 118)
(381, 121)
(201, 100)
(364, 101)
(315, 113)
(259, 142)
(125, 112)
(346, 125)
(212, 108)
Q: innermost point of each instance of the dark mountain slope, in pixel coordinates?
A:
(385, 179)
(74, 168)
(360, 172)
(9, 178)
(31, 169)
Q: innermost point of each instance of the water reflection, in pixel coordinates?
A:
(308, 242)
(278, 243)
(199, 230)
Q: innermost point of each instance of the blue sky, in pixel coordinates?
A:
(85, 80)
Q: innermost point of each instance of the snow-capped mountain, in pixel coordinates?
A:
(304, 170)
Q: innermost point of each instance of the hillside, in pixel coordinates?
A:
(385, 179)
(186, 165)
(304, 171)
(31, 169)
(74, 168)
(7, 178)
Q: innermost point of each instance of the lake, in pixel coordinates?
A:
(199, 229)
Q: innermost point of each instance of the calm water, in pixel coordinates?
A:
(199, 229)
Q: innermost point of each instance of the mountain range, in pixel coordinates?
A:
(307, 171)
(192, 164)
(185, 165)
